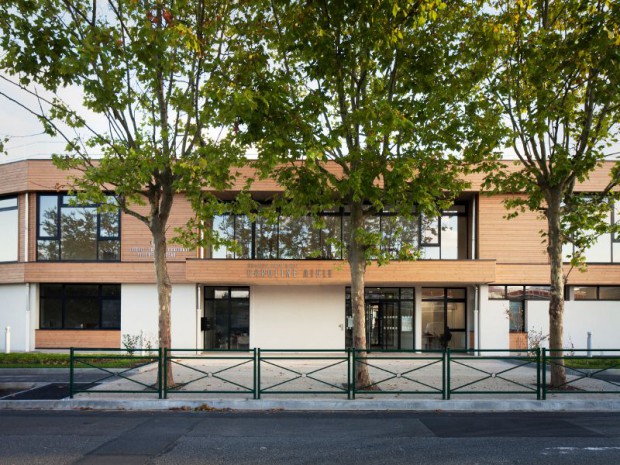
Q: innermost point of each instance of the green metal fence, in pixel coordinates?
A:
(505, 372)
(122, 371)
(400, 372)
(586, 373)
(304, 372)
(212, 372)
(332, 372)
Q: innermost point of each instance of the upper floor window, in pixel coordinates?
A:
(325, 237)
(67, 232)
(8, 229)
(606, 247)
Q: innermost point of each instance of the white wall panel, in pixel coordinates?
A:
(601, 318)
(494, 324)
(297, 317)
(13, 313)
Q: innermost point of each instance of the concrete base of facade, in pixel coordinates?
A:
(320, 405)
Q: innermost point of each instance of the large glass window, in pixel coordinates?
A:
(68, 232)
(327, 235)
(80, 306)
(8, 229)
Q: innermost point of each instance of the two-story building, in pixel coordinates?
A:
(73, 276)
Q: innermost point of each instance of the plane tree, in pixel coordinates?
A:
(368, 106)
(147, 123)
(556, 79)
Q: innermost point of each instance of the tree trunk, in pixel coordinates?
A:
(164, 289)
(357, 263)
(557, 281)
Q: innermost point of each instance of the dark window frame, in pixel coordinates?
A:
(60, 204)
(461, 211)
(598, 293)
(64, 296)
(10, 209)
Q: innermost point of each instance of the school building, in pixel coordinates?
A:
(75, 277)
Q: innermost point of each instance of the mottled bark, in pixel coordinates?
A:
(557, 281)
(357, 262)
(160, 211)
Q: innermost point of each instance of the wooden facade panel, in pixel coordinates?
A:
(134, 273)
(518, 341)
(136, 243)
(13, 177)
(32, 227)
(11, 273)
(327, 272)
(509, 241)
(539, 274)
(64, 339)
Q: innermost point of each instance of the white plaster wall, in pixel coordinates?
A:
(297, 317)
(494, 324)
(140, 312)
(601, 318)
(183, 315)
(14, 313)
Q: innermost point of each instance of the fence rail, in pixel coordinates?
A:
(257, 372)
(585, 373)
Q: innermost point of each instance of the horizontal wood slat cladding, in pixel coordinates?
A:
(12, 273)
(64, 339)
(509, 241)
(539, 274)
(32, 229)
(100, 272)
(518, 341)
(13, 177)
(42, 175)
(136, 238)
(313, 272)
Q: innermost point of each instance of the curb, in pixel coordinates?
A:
(320, 405)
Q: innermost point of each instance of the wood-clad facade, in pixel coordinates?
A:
(492, 252)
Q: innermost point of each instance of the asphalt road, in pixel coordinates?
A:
(208, 437)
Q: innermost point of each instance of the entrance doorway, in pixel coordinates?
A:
(444, 318)
(226, 321)
(389, 318)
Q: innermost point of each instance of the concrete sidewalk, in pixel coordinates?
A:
(490, 405)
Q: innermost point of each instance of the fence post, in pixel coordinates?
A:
(7, 340)
(163, 372)
(258, 374)
(254, 371)
(71, 373)
(538, 373)
(349, 373)
(544, 373)
(447, 374)
(589, 344)
(354, 370)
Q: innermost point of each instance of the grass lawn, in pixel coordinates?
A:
(593, 363)
(50, 360)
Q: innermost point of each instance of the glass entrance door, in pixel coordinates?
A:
(226, 321)
(443, 318)
(382, 325)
